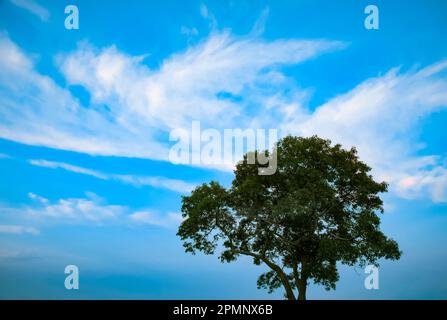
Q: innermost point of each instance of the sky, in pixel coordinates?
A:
(86, 117)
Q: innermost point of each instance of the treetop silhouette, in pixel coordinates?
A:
(320, 208)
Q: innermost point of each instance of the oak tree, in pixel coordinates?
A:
(321, 208)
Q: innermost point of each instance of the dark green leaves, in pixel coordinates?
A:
(321, 206)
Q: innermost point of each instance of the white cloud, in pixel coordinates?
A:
(381, 116)
(9, 254)
(37, 198)
(153, 218)
(35, 110)
(205, 13)
(190, 32)
(66, 166)
(187, 85)
(91, 210)
(15, 229)
(142, 103)
(423, 182)
(158, 182)
(135, 180)
(33, 7)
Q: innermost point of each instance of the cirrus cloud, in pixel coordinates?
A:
(224, 82)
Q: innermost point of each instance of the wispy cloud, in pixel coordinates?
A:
(33, 7)
(16, 229)
(205, 13)
(135, 180)
(67, 167)
(142, 102)
(153, 218)
(157, 182)
(379, 116)
(91, 210)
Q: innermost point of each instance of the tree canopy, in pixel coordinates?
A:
(321, 207)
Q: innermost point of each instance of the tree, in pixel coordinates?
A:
(319, 208)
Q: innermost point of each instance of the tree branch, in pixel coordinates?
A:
(282, 276)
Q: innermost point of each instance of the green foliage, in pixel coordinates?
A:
(319, 208)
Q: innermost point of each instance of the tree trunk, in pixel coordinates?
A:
(302, 290)
(282, 276)
(289, 292)
(302, 283)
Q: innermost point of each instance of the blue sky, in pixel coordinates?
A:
(85, 118)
